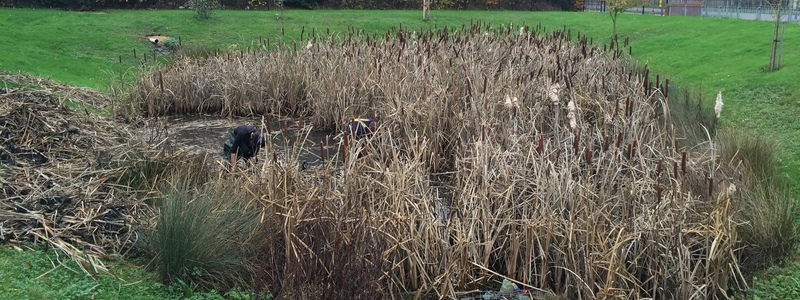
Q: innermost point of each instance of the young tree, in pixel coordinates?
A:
(774, 53)
(614, 8)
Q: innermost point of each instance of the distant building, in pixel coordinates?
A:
(683, 8)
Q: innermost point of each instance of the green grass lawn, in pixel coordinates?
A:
(41, 274)
(709, 55)
(48, 274)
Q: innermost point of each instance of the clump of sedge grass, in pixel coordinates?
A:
(768, 210)
(202, 232)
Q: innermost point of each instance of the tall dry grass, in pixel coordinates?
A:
(559, 165)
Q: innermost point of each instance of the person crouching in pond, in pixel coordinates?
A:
(360, 128)
(244, 142)
(357, 129)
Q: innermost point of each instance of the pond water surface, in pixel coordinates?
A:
(209, 133)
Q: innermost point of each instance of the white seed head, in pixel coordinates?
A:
(511, 102)
(553, 93)
(573, 123)
(718, 105)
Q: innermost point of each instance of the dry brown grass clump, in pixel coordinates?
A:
(501, 153)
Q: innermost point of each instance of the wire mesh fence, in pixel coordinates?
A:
(759, 10)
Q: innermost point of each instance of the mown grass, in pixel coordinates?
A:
(38, 273)
(35, 272)
(777, 283)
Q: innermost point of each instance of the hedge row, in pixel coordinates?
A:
(310, 4)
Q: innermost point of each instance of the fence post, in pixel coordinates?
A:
(758, 13)
(788, 13)
(730, 10)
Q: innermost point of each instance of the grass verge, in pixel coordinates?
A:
(39, 273)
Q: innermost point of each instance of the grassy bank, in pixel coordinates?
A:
(40, 273)
(37, 273)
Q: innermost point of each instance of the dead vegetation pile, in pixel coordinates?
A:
(502, 153)
(68, 175)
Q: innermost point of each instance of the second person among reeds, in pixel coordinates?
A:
(359, 128)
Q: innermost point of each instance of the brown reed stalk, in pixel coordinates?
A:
(683, 163)
(322, 151)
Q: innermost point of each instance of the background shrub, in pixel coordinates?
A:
(307, 4)
(204, 8)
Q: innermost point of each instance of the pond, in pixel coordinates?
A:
(208, 133)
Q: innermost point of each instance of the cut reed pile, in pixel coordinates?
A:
(501, 152)
(69, 178)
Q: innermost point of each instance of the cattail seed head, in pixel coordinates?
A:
(553, 93)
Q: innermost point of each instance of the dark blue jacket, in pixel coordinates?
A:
(241, 139)
(359, 128)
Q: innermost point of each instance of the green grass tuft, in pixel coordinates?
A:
(200, 235)
(765, 203)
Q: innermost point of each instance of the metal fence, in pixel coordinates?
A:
(759, 10)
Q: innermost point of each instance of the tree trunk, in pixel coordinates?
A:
(425, 10)
(780, 48)
(774, 51)
(614, 24)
